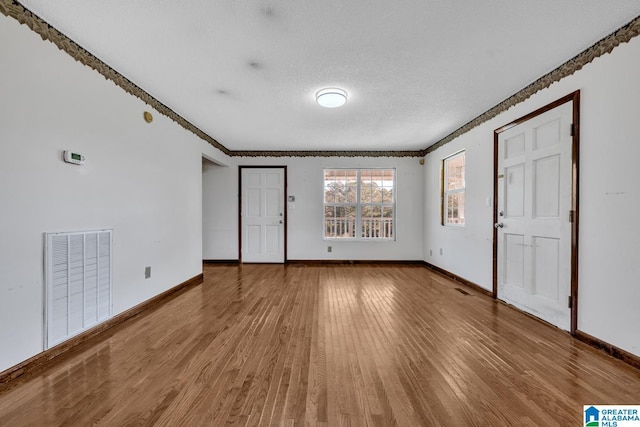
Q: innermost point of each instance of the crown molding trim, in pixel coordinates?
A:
(325, 153)
(24, 16)
(600, 48)
(14, 9)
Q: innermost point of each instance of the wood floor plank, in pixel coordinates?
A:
(324, 345)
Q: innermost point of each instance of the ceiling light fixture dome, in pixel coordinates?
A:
(331, 97)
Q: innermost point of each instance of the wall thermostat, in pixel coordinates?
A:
(72, 157)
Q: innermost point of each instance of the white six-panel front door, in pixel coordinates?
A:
(263, 215)
(534, 203)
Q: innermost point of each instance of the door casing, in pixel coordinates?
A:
(575, 98)
(284, 195)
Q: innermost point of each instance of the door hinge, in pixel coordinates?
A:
(572, 215)
(573, 129)
(570, 301)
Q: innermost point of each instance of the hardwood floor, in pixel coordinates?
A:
(325, 345)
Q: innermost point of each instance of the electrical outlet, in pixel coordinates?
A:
(329, 249)
(440, 251)
(147, 272)
(430, 252)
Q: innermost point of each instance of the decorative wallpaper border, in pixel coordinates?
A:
(604, 46)
(309, 153)
(47, 32)
(14, 9)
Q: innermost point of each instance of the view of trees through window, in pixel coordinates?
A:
(359, 203)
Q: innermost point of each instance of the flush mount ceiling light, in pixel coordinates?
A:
(331, 97)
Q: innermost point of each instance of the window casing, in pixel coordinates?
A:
(359, 204)
(453, 189)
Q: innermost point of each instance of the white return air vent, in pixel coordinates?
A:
(77, 283)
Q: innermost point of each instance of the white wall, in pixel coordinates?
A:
(142, 180)
(220, 211)
(609, 260)
(304, 176)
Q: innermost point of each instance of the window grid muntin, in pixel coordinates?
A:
(453, 189)
(360, 223)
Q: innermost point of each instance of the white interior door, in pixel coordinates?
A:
(534, 204)
(262, 216)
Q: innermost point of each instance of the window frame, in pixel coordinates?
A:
(445, 192)
(358, 204)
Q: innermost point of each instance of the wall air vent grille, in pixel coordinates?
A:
(77, 283)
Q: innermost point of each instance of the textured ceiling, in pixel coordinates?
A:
(246, 73)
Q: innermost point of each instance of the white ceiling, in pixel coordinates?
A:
(245, 72)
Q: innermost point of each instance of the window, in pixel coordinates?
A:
(359, 204)
(453, 190)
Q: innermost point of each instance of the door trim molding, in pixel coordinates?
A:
(286, 222)
(575, 157)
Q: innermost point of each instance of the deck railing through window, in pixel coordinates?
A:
(372, 228)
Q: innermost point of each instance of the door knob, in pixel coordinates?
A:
(498, 225)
